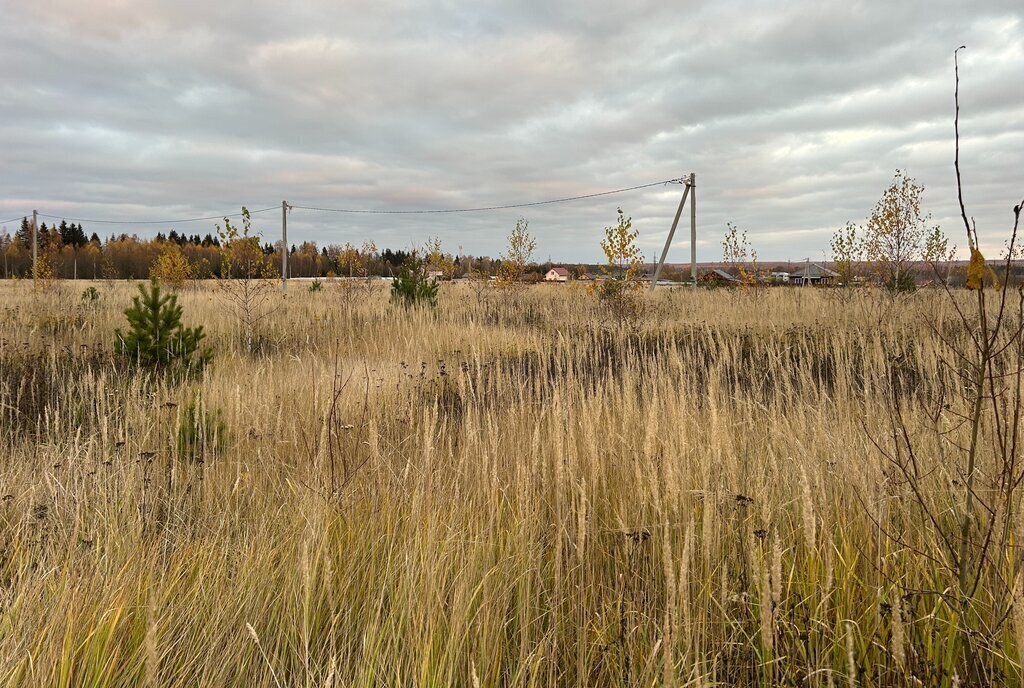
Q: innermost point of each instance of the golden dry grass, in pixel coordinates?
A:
(523, 494)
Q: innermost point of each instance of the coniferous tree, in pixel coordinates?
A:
(156, 338)
(66, 233)
(24, 233)
(412, 285)
(77, 235)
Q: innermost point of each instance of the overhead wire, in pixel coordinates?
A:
(156, 222)
(427, 211)
(368, 211)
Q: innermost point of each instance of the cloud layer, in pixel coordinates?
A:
(794, 116)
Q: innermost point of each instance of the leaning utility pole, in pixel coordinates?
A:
(689, 192)
(35, 251)
(284, 246)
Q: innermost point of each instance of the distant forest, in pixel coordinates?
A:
(71, 252)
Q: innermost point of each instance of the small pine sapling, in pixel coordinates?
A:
(155, 337)
(412, 285)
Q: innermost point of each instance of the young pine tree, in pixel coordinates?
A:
(412, 285)
(156, 338)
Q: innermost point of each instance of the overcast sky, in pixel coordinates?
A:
(793, 115)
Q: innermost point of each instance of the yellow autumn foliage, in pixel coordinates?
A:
(978, 271)
(171, 267)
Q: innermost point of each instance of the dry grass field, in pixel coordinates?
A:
(508, 493)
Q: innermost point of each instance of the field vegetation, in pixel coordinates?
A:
(740, 487)
(508, 485)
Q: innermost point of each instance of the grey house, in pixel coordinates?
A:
(813, 274)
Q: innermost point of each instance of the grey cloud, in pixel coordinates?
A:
(793, 115)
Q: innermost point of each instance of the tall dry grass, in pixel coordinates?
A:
(514, 493)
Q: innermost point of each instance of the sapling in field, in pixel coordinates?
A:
(619, 290)
(90, 295)
(246, 276)
(895, 233)
(171, 267)
(353, 263)
(741, 258)
(155, 337)
(962, 480)
(521, 246)
(412, 285)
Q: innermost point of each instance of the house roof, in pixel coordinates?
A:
(813, 271)
(560, 271)
(722, 274)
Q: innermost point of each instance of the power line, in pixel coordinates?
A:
(486, 208)
(154, 222)
(13, 219)
(385, 211)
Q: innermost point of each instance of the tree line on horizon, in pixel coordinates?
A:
(70, 252)
(67, 251)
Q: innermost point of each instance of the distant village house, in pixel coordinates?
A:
(814, 275)
(718, 278)
(557, 274)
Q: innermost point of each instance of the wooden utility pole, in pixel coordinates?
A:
(284, 246)
(689, 192)
(35, 250)
(693, 230)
